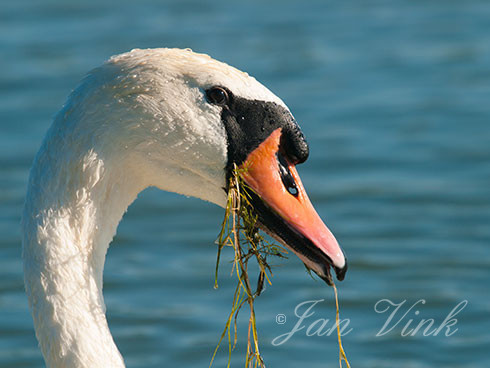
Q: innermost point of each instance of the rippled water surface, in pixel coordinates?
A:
(393, 97)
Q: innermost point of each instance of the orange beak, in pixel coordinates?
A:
(277, 183)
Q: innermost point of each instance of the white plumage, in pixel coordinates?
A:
(139, 120)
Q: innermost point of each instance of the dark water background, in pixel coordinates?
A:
(394, 99)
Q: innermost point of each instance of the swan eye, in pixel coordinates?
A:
(217, 96)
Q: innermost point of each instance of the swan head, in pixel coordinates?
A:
(181, 121)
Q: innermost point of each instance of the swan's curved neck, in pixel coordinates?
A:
(72, 210)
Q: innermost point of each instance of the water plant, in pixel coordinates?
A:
(240, 230)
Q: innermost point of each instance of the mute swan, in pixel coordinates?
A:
(168, 118)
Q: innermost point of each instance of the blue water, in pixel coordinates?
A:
(393, 97)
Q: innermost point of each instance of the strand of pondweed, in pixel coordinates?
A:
(240, 231)
(342, 355)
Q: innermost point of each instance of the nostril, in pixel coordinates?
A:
(293, 191)
(286, 176)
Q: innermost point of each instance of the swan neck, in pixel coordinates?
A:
(73, 206)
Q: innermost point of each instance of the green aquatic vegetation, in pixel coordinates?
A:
(342, 355)
(240, 231)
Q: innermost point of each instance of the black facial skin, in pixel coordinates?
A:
(248, 123)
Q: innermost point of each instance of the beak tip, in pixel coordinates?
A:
(326, 275)
(340, 272)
